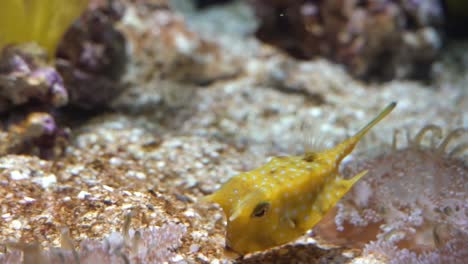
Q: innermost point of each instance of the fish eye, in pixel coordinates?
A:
(310, 157)
(261, 209)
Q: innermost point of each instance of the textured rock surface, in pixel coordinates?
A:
(92, 56)
(373, 39)
(30, 92)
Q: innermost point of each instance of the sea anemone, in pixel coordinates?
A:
(40, 21)
(148, 245)
(413, 199)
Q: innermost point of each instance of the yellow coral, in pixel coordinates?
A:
(40, 21)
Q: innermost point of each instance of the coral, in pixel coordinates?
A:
(30, 87)
(373, 39)
(39, 21)
(150, 245)
(30, 91)
(25, 77)
(91, 59)
(92, 56)
(37, 134)
(413, 198)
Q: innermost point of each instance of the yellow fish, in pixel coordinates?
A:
(283, 199)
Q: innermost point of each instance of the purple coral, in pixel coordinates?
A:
(25, 77)
(51, 78)
(37, 134)
(30, 91)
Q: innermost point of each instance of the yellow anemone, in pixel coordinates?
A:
(40, 21)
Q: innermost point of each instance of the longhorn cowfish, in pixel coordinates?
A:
(282, 200)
